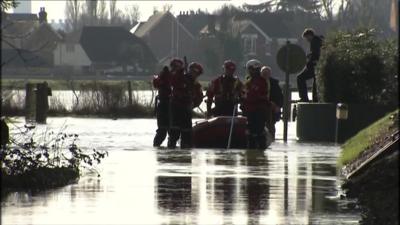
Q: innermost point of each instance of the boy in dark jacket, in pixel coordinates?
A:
(309, 70)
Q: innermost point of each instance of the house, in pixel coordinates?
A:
(116, 49)
(22, 17)
(28, 39)
(60, 25)
(16, 28)
(166, 37)
(257, 41)
(193, 21)
(69, 54)
(26, 42)
(42, 41)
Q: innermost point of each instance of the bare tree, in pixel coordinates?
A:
(368, 13)
(132, 13)
(327, 6)
(166, 7)
(101, 12)
(72, 13)
(91, 11)
(114, 12)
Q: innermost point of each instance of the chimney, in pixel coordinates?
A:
(42, 15)
(211, 24)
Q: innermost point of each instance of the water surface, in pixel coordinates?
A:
(293, 183)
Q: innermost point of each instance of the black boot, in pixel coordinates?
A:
(173, 138)
(251, 141)
(186, 140)
(160, 137)
(262, 141)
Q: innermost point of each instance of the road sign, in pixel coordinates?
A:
(291, 59)
(296, 60)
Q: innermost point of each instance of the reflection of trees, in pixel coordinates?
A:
(174, 157)
(224, 191)
(174, 193)
(256, 189)
(323, 188)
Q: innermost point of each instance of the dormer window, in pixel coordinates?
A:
(249, 43)
(70, 47)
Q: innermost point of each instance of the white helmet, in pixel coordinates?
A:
(254, 63)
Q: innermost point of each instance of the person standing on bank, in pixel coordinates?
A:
(309, 70)
(162, 83)
(186, 95)
(275, 97)
(255, 105)
(224, 91)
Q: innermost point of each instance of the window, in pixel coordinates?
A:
(249, 43)
(268, 48)
(70, 47)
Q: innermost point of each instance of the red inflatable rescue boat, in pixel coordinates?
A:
(214, 133)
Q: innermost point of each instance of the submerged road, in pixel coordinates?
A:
(293, 183)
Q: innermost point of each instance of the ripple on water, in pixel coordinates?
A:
(292, 183)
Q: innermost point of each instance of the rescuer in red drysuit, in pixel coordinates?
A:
(162, 83)
(224, 91)
(186, 95)
(254, 105)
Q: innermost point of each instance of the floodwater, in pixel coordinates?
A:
(67, 98)
(293, 183)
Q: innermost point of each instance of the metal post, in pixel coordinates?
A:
(130, 102)
(42, 101)
(342, 113)
(286, 107)
(30, 103)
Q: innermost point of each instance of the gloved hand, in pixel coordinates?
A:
(208, 115)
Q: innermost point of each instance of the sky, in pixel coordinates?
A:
(56, 8)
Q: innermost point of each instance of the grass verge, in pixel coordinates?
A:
(367, 137)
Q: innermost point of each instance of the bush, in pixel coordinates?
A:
(45, 160)
(357, 67)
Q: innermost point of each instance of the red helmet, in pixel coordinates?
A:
(196, 67)
(176, 62)
(229, 64)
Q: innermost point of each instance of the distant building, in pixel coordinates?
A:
(25, 42)
(116, 50)
(193, 21)
(69, 53)
(21, 17)
(24, 6)
(260, 40)
(166, 37)
(42, 41)
(60, 25)
(16, 27)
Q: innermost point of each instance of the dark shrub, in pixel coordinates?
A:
(357, 67)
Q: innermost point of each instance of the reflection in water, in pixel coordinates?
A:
(286, 184)
(256, 189)
(174, 194)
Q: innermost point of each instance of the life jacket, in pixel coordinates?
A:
(197, 97)
(162, 83)
(255, 95)
(185, 90)
(224, 89)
